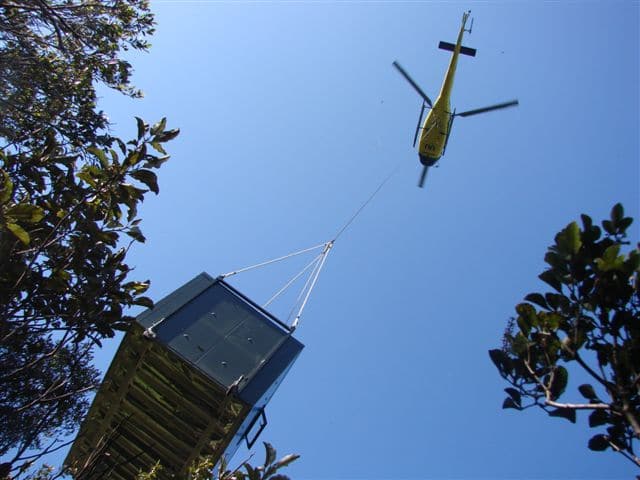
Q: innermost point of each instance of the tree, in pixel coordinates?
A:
(208, 468)
(68, 192)
(53, 53)
(63, 277)
(588, 326)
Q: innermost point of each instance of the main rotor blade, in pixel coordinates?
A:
(413, 84)
(468, 113)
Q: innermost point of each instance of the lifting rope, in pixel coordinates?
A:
(375, 192)
(325, 252)
(271, 261)
(315, 265)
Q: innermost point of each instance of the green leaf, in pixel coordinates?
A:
(138, 287)
(556, 261)
(608, 227)
(590, 232)
(610, 259)
(527, 317)
(510, 403)
(520, 344)
(514, 394)
(7, 188)
(587, 392)
(144, 302)
(159, 126)
(24, 212)
(599, 443)
(587, 222)
(166, 136)
(557, 301)
(573, 238)
(155, 162)
(88, 174)
(148, 178)
(121, 145)
(252, 472)
(611, 253)
(550, 279)
(538, 299)
(501, 361)
(114, 156)
(524, 325)
(568, 413)
(624, 224)
(270, 454)
(158, 147)
(19, 232)
(550, 320)
(598, 417)
(559, 384)
(527, 310)
(617, 213)
(136, 234)
(567, 239)
(102, 157)
(142, 127)
(133, 158)
(110, 238)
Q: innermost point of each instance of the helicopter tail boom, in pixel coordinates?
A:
(451, 47)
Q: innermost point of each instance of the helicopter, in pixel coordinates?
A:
(435, 131)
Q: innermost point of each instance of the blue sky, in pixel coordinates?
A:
(291, 114)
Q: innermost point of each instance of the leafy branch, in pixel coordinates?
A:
(593, 308)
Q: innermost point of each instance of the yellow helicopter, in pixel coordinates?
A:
(435, 131)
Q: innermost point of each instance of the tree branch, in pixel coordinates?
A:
(591, 372)
(630, 416)
(632, 458)
(578, 406)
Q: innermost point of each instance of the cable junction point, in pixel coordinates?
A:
(315, 265)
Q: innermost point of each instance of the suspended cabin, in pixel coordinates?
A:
(192, 377)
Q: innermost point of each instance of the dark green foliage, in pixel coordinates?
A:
(52, 55)
(63, 277)
(68, 192)
(589, 322)
(63, 281)
(26, 411)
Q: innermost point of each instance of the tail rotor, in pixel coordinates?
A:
(423, 176)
